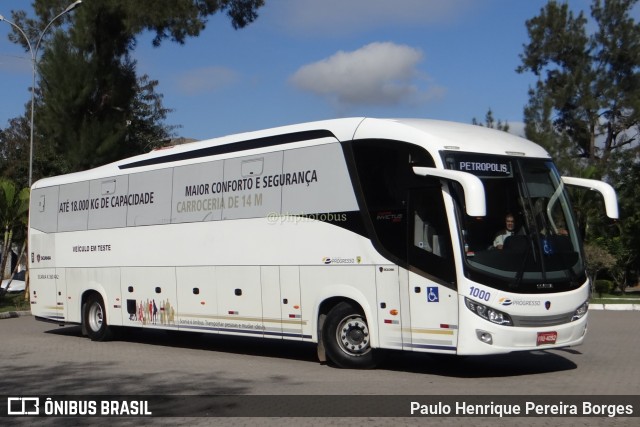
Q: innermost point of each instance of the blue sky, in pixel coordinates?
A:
(306, 60)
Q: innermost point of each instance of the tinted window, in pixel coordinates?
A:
(404, 208)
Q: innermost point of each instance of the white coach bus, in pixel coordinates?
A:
(357, 234)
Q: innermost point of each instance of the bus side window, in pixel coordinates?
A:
(430, 249)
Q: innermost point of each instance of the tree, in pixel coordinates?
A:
(628, 179)
(597, 259)
(14, 206)
(588, 92)
(490, 122)
(145, 128)
(585, 107)
(14, 151)
(92, 109)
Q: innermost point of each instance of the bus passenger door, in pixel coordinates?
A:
(434, 315)
(433, 299)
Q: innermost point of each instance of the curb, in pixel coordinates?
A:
(615, 307)
(13, 314)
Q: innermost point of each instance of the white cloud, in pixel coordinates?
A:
(208, 79)
(516, 128)
(348, 16)
(376, 74)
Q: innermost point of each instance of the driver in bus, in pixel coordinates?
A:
(508, 231)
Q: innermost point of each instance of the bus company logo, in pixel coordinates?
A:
(521, 302)
(508, 301)
(329, 260)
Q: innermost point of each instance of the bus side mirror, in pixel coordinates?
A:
(474, 197)
(607, 191)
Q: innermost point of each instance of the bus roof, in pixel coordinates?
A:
(433, 135)
(438, 135)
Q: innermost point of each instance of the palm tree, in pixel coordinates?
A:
(14, 208)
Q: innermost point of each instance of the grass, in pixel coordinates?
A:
(13, 302)
(628, 298)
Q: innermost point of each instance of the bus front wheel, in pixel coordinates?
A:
(346, 337)
(95, 319)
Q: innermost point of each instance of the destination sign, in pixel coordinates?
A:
(480, 165)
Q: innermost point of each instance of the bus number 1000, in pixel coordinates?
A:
(479, 293)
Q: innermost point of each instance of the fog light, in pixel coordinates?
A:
(484, 336)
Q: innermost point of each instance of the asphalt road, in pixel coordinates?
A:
(44, 359)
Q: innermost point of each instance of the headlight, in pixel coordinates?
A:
(580, 312)
(488, 313)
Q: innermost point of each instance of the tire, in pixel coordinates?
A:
(95, 319)
(346, 338)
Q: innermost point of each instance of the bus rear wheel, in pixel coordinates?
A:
(347, 338)
(95, 319)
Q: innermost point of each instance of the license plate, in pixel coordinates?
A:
(547, 338)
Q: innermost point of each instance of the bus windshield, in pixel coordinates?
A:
(528, 241)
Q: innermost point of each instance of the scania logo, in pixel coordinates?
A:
(547, 305)
(41, 257)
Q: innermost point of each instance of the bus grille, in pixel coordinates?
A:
(541, 321)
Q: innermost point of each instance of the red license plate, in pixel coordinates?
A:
(547, 338)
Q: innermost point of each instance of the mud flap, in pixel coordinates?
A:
(322, 356)
(83, 323)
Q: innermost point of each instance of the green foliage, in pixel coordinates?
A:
(628, 188)
(14, 206)
(589, 87)
(490, 122)
(14, 151)
(91, 107)
(585, 110)
(623, 256)
(598, 259)
(603, 287)
(13, 302)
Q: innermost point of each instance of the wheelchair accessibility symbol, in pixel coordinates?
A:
(432, 294)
